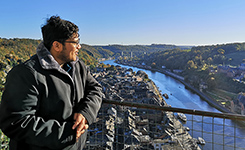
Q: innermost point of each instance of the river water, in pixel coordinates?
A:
(212, 129)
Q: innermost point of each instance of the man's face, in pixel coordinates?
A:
(70, 50)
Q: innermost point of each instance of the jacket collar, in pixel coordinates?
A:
(47, 61)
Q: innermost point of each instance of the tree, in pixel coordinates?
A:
(209, 60)
(112, 67)
(211, 83)
(191, 65)
(221, 51)
(153, 65)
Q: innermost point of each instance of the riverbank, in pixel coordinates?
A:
(202, 95)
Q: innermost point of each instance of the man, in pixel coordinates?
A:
(50, 100)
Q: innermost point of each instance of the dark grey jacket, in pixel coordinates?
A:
(40, 99)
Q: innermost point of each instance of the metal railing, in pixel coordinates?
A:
(128, 125)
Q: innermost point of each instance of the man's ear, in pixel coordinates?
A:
(57, 46)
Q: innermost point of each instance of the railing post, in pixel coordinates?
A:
(223, 133)
(213, 134)
(192, 126)
(235, 135)
(202, 128)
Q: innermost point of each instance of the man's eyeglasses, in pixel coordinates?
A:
(76, 42)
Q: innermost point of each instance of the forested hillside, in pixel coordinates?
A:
(199, 57)
(97, 52)
(15, 51)
(139, 49)
(197, 62)
(194, 61)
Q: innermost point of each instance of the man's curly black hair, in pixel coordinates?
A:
(57, 29)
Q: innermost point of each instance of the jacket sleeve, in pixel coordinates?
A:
(18, 119)
(91, 103)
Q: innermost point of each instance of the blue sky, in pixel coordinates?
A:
(130, 22)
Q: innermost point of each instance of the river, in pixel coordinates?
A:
(181, 97)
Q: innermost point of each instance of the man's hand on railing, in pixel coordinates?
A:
(80, 124)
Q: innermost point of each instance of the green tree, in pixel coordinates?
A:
(191, 65)
(221, 51)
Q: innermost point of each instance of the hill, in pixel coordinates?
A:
(197, 63)
(15, 51)
(139, 49)
(198, 57)
(96, 52)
